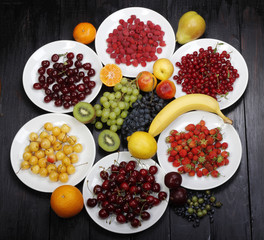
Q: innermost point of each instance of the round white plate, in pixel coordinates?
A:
(21, 140)
(212, 121)
(236, 60)
(30, 73)
(144, 14)
(93, 178)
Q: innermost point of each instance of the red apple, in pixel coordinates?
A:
(166, 89)
(146, 81)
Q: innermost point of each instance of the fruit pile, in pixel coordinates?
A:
(66, 82)
(143, 112)
(127, 191)
(114, 106)
(206, 71)
(198, 151)
(134, 42)
(199, 204)
(44, 151)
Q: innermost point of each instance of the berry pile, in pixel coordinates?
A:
(113, 107)
(198, 151)
(206, 71)
(143, 112)
(65, 82)
(134, 42)
(127, 192)
(198, 205)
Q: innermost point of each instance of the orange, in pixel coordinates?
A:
(66, 201)
(110, 75)
(84, 33)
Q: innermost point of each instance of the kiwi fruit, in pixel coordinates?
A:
(108, 140)
(84, 112)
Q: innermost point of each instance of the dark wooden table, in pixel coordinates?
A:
(28, 25)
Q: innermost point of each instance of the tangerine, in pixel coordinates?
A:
(84, 32)
(66, 201)
(110, 74)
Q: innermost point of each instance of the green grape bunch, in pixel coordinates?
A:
(114, 106)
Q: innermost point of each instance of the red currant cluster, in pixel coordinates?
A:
(198, 151)
(134, 42)
(65, 82)
(206, 72)
(128, 193)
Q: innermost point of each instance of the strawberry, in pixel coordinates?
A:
(190, 127)
(224, 145)
(225, 154)
(203, 143)
(173, 132)
(199, 173)
(205, 172)
(201, 160)
(226, 161)
(191, 173)
(170, 159)
(180, 169)
(169, 139)
(195, 151)
(218, 144)
(192, 144)
(187, 168)
(186, 161)
(178, 148)
(215, 173)
(190, 155)
(202, 123)
(183, 153)
(173, 152)
(209, 167)
(174, 144)
(176, 163)
(219, 137)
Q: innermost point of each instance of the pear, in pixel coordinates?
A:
(191, 26)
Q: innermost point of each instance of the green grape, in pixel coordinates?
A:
(98, 113)
(123, 81)
(98, 125)
(133, 98)
(113, 128)
(97, 107)
(119, 127)
(139, 96)
(106, 104)
(124, 89)
(106, 94)
(117, 111)
(112, 115)
(127, 106)
(111, 96)
(117, 87)
(113, 122)
(108, 123)
(123, 114)
(103, 99)
(105, 114)
(113, 104)
(129, 90)
(121, 105)
(104, 120)
(135, 92)
(119, 121)
(118, 95)
(127, 98)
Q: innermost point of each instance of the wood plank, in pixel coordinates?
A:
(252, 48)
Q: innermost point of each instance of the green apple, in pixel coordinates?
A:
(163, 69)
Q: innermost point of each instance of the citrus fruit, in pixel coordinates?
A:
(84, 32)
(142, 145)
(110, 75)
(66, 201)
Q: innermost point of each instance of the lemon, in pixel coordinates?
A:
(142, 145)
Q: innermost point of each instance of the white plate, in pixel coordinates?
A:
(144, 14)
(93, 178)
(212, 121)
(21, 140)
(236, 60)
(30, 73)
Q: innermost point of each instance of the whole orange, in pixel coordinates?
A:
(84, 33)
(66, 201)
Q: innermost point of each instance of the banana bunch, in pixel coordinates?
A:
(182, 105)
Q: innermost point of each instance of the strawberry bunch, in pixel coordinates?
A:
(198, 150)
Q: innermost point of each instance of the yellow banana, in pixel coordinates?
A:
(181, 105)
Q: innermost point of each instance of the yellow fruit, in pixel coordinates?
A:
(182, 105)
(142, 145)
